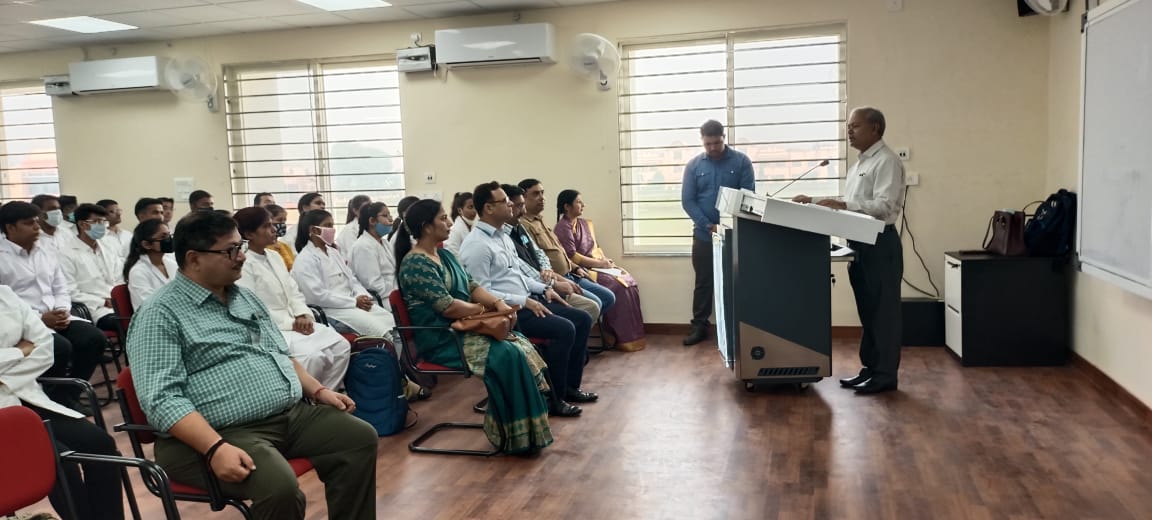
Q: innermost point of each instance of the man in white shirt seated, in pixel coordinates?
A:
(52, 236)
(117, 238)
(167, 207)
(148, 208)
(34, 274)
(91, 268)
(68, 205)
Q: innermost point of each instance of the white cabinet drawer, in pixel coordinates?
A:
(952, 292)
(953, 331)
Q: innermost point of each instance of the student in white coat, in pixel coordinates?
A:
(373, 259)
(117, 238)
(327, 282)
(25, 354)
(322, 351)
(463, 218)
(150, 264)
(351, 228)
(92, 270)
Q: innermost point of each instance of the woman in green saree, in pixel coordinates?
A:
(439, 291)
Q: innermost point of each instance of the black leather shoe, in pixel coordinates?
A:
(580, 396)
(563, 409)
(699, 333)
(875, 386)
(864, 375)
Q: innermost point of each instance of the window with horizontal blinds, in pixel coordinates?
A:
(780, 95)
(331, 127)
(27, 142)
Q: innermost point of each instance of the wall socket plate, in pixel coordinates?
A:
(904, 153)
(895, 5)
(429, 177)
(912, 179)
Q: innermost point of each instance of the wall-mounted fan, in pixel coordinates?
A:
(593, 56)
(192, 79)
(1048, 7)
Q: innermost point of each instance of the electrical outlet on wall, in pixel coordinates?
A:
(904, 153)
(429, 177)
(912, 179)
(895, 5)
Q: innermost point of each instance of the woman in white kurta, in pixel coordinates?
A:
(327, 282)
(25, 353)
(372, 257)
(150, 264)
(351, 230)
(322, 351)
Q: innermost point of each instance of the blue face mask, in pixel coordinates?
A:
(71, 217)
(383, 229)
(97, 231)
(281, 228)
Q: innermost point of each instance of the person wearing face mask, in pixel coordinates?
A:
(322, 351)
(91, 269)
(280, 228)
(117, 238)
(150, 264)
(51, 220)
(200, 200)
(463, 218)
(371, 257)
(68, 205)
(327, 282)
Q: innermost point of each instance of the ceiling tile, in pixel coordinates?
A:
(584, 2)
(252, 25)
(205, 13)
(514, 4)
(443, 10)
(195, 30)
(30, 31)
(31, 45)
(312, 20)
(146, 19)
(272, 7)
(13, 13)
(96, 7)
(383, 14)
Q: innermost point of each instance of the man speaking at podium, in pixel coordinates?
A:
(718, 166)
(875, 187)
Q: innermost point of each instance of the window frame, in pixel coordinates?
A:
(680, 244)
(315, 71)
(7, 188)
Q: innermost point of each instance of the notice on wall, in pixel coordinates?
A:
(183, 187)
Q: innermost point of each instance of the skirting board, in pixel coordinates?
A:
(1128, 402)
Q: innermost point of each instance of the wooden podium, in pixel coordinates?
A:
(773, 291)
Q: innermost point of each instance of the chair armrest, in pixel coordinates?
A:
(376, 295)
(154, 477)
(455, 338)
(319, 316)
(85, 388)
(81, 311)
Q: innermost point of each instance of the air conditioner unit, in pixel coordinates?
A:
(493, 46)
(118, 75)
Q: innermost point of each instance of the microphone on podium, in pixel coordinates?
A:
(810, 170)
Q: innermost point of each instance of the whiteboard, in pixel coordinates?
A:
(1115, 204)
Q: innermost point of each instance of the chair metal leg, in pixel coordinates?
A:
(481, 406)
(415, 445)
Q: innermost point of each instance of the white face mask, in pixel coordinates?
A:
(55, 218)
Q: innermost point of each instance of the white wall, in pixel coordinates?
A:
(963, 85)
(1111, 327)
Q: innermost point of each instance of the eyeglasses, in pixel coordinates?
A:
(232, 252)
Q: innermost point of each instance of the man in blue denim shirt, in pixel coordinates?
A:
(718, 166)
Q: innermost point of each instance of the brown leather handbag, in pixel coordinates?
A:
(495, 324)
(1006, 228)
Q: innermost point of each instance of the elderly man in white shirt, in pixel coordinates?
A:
(322, 351)
(92, 269)
(35, 275)
(372, 257)
(875, 187)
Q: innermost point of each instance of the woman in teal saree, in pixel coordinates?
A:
(438, 291)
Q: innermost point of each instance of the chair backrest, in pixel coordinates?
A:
(24, 444)
(130, 406)
(122, 304)
(407, 337)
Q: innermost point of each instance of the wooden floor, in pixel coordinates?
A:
(675, 435)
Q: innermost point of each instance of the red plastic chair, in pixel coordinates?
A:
(141, 433)
(26, 443)
(410, 356)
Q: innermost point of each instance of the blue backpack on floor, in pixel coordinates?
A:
(374, 382)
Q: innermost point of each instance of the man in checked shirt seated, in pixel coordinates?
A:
(212, 370)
